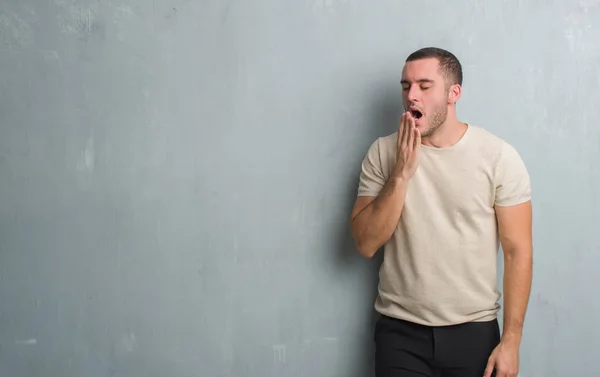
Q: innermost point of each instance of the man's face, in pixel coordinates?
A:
(425, 94)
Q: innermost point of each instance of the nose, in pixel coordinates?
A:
(412, 95)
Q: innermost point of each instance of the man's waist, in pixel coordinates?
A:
(436, 312)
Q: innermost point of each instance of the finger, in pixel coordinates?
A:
(489, 368)
(411, 132)
(400, 127)
(417, 139)
(403, 128)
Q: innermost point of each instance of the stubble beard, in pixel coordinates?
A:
(435, 122)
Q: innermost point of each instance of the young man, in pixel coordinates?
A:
(441, 196)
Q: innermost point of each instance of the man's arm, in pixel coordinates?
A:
(374, 219)
(514, 216)
(515, 231)
(380, 202)
(514, 228)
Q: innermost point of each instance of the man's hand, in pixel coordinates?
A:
(504, 360)
(409, 144)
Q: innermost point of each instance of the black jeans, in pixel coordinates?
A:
(405, 349)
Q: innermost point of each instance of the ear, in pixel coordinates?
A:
(454, 94)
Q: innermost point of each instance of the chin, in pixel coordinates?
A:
(424, 129)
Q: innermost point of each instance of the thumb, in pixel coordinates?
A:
(489, 367)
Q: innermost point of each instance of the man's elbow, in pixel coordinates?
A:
(360, 243)
(522, 254)
(366, 250)
(365, 247)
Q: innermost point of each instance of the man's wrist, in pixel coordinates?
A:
(511, 337)
(397, 178)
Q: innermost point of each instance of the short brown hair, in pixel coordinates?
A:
(449, 64)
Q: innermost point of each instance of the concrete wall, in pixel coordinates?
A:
(176, 177)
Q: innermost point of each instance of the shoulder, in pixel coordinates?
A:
(509, 173)
(383, 146)
(484, 141)
(388, 144)
(494, 149)
(375, 166)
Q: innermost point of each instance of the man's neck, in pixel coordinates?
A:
(448, 134)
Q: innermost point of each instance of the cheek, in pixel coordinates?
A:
(437, 101)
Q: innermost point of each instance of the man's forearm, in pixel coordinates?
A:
(517, 287)
(376, 223)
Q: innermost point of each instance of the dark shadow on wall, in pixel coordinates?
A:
(382, 118)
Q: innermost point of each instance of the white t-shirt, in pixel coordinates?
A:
(440, 265)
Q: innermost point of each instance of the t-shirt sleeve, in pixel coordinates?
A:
(371, 179)
(512, 179)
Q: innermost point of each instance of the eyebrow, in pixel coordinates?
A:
(419, 81)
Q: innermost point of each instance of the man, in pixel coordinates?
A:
(442, 196)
